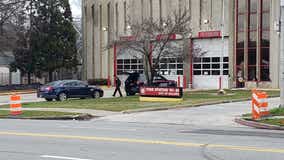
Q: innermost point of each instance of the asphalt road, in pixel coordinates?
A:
(143, 136)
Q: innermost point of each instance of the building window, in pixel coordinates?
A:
(151, 9)
(241, 12)
(142, 10)
(101, 18)
(93, 35)
(108, 19)
(189, 7)
(160, 11)
(125, 16)
(264, 40)
(116, 19)
(210, 66)
(129, 65)
(258, 40)
(180, 7)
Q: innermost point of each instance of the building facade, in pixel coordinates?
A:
(240, 39)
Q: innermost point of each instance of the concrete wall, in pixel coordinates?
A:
(98, 29)
(274, 44)
(206, 16)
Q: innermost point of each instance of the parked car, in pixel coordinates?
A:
(64, 89)
(135, 80)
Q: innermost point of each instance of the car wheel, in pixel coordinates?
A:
(96, 94)
(48, 99)
(62, 97)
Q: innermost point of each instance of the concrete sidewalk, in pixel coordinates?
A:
(6, 93)
(99, 113)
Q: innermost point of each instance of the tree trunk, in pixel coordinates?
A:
(50, 76)
(29, 78)
(1, 29)
(148, 68)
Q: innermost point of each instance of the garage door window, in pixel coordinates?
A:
(171, 66)
(210, 66)
(129, 65)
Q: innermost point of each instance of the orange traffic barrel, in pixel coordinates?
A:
(259, 104)
(15, 105)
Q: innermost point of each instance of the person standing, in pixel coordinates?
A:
(117, 87)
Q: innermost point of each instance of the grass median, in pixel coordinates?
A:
(36, 114)
(276, 117)
(126, 103)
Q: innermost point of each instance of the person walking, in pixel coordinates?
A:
(117, 87)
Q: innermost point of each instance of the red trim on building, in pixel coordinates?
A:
(210, 34)
(127, 38)
(236, 41)
(166, 36)
(247, 39)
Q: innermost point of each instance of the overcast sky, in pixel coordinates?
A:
(76, 8)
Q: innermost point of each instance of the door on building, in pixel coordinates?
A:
(207, 68)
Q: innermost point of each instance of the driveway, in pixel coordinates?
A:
(205, 116)
(33, 97)
(25, 98)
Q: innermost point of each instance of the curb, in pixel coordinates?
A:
(81, 117)
(257, 124)
(17, 92)
(186, 106)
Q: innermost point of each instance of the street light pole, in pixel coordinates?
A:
(223, 49)
(282, 55)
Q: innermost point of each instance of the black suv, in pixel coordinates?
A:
(135, 80)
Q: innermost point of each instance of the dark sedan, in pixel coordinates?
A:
(62, 90)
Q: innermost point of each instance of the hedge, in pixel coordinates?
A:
(97, 81)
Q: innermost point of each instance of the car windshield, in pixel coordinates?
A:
(55, 83)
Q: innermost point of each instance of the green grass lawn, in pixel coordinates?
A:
(31, 114)
(277, 112)
(278, 122)
(126, 103)
(273, 112)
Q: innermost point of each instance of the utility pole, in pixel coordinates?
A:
(282, 54)
(221, 80)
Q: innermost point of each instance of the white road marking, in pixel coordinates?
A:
(61, 157)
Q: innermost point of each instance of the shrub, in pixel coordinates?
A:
(97, 81)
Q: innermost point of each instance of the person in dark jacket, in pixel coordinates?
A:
(117, 87)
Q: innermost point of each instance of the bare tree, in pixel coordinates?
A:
(12, 14)
(10, 10)
(153, 40)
